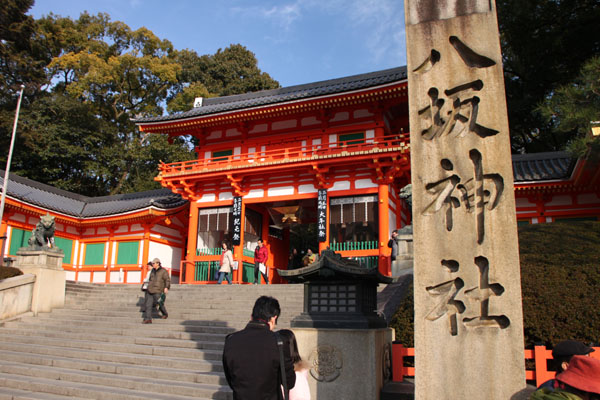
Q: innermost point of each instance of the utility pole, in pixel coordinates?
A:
(8, 160)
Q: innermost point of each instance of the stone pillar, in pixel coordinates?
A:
(346, 364)
(468, 314)
(49, 287)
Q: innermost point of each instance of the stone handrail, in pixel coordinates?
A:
(15, 295)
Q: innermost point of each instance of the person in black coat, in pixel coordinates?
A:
(251, 356)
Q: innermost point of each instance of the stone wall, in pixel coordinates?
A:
(15, 295)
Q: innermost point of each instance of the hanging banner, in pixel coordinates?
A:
(322, 215)
(237, 220)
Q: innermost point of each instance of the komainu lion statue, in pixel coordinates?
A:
(42, 237)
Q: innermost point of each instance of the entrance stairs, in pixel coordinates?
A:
(97, 348)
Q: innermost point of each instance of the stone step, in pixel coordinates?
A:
(96, 347)
(213, 342)
(100, 333)
(166, 361)
(174, 331)
(92, 391)
(18, 394)
(192, 353)
(235, 321)
(129, 382)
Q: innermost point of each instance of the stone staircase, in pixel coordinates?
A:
(97, 348)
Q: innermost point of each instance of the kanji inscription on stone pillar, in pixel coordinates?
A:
(468, 313)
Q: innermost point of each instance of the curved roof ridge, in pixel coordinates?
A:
(80, 206)
(213, 105)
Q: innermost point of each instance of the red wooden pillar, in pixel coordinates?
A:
(265, 236)
(192, 244)
(111, 237)
(384, 230)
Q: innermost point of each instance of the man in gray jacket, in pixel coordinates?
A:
(159, 282)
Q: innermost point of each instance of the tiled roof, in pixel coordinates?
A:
(554, 165)
(80, 206)
(299, 92)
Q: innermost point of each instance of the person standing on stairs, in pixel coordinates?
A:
(159, 283)
(261, 254)
(226, 264)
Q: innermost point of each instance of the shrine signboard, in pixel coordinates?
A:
(468, 313)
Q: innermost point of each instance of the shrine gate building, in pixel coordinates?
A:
(309, 166)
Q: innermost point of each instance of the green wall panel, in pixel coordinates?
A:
(94, 254)
(18, 239)
(127, 252)
(66, 245)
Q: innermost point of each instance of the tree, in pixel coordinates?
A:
(544, 45)
(233, 70)
(572, 107)
(79, 134)
(87, 78)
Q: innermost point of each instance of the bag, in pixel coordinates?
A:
(235, 266)
(262, 268)
(145, 286)
(390, 243)
(286, 391)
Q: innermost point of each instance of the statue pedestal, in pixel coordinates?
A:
(404, 261)
(49, 287)
(346, 364)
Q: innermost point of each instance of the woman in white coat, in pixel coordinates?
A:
(226, 264)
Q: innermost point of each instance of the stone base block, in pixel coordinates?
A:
(49, 287)
(346, 364)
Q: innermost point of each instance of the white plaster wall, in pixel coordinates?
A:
(215, 135)
(362, 113)
(255, 193)
(206, 198)
(170, 257)
(89, 231)
(309, 121)
(165, 231)
(136, 227)
(523, 202)
(341, 185)
(100, 277)
(84, 276)
(106, 261)
(588, 198)
(307, 189)
(134, 277)
(364, 184)
(332, 140)
(232, 132)
(560, 201)
(391, 225)
(102, 231)
(70, 276)
(19, 217)
(259, 128)
(113, 260)
(122, 229)
(225, 196)
(72, 230)
(291, 123)
(341, 116)
(280, 191)
(207, 155)
(116, 276)
(370, 134)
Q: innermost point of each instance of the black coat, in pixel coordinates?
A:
(251, 363)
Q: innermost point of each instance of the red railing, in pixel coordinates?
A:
(540, 355)
(396, 142)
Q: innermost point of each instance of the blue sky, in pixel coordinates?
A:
(295, 41)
